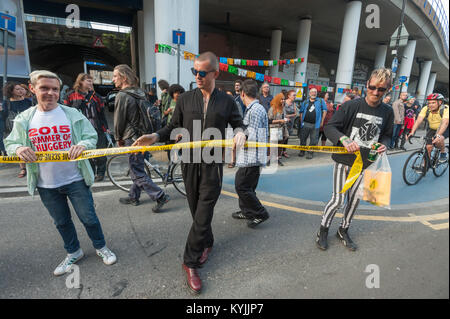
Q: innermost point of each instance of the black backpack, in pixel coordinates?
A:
(149, 117)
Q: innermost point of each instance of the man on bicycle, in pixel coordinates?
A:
(437, 129)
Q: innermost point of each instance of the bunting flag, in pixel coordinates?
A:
(228, 65)
(164, 48)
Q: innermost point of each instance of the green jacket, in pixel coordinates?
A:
(83, 133)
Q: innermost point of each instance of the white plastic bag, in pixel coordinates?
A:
(377, 182)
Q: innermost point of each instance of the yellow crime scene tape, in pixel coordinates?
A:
(63, 156)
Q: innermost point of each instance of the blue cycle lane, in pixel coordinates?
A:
(315, 183)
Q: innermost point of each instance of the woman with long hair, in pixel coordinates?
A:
(277, 122)
(330, 111)
(15, 102)
(84, 98)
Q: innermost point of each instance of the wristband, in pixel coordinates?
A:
(344, 138)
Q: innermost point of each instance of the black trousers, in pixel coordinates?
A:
(245, 183)
(203, 184)
(99, 163)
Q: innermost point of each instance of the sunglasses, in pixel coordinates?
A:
(202, 74)
(373, 88)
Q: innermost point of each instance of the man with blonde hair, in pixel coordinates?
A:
(50, 126)
(357, 125)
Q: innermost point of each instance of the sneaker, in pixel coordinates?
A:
(164, 199)
(280, 163)
(129, 201)
(301, 154)
(321, 239)
(443, 157)
(107, 255)
(343, 236)
(309, 156)
(66, 264)
(257, 220)
(239, 215)
(99, 178)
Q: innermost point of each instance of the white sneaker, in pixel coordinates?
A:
(108, 256)
(66, 264)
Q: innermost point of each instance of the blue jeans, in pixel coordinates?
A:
(55, 200)
(395, 132)
(2, 131)
(141, 181)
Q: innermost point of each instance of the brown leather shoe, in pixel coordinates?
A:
(204, 256)
(192, 279)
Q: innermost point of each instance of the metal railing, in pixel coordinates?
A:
(83, 24)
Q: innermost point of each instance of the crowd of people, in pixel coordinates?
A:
(78, 123)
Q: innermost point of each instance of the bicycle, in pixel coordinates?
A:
(419, 162)
(118, 171)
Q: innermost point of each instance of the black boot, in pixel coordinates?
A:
(343, 236)
(321, 239)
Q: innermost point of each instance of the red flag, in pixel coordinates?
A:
(276, 80)
(267, 78)
(223, 67)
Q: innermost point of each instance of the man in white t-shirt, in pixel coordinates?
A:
(50, 126)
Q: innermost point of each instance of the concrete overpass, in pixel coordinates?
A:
(271, 30)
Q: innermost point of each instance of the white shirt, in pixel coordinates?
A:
(51, 131)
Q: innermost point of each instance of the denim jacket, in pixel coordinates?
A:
(83, 133)
(320, 107)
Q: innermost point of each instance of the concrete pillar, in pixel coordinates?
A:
(347, 49)
(423, 81)
(172, 15)
(431, 82)
(303, 35)
(141, 49)
(133, 44)
(146, 36)
(275, 48)
(406, 62)
(380, 57)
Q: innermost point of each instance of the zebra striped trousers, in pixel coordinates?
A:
(340, 173)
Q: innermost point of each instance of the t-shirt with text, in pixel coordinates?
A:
(51, 131)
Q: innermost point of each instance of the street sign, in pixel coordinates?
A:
(7, 22)
(98, 43)
(11, 40)
(180, 36)
(403, 38)
(394, 65)
(402, 79)
(95, 63)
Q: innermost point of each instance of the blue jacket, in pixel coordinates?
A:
(320, 107)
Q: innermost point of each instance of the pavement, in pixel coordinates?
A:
(408, 245)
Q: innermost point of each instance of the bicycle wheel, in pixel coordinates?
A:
(118, 171)
(413, 170)
(177, 179)
(440, 168)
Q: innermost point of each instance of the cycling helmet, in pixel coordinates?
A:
(435, 96)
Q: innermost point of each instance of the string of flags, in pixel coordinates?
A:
(164, 48)
(247, 62)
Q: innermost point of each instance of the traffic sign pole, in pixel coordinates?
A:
(178, 56)
(5, 60)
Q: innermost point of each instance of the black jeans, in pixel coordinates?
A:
(245, 183)
(99, 163)
(203, 184)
